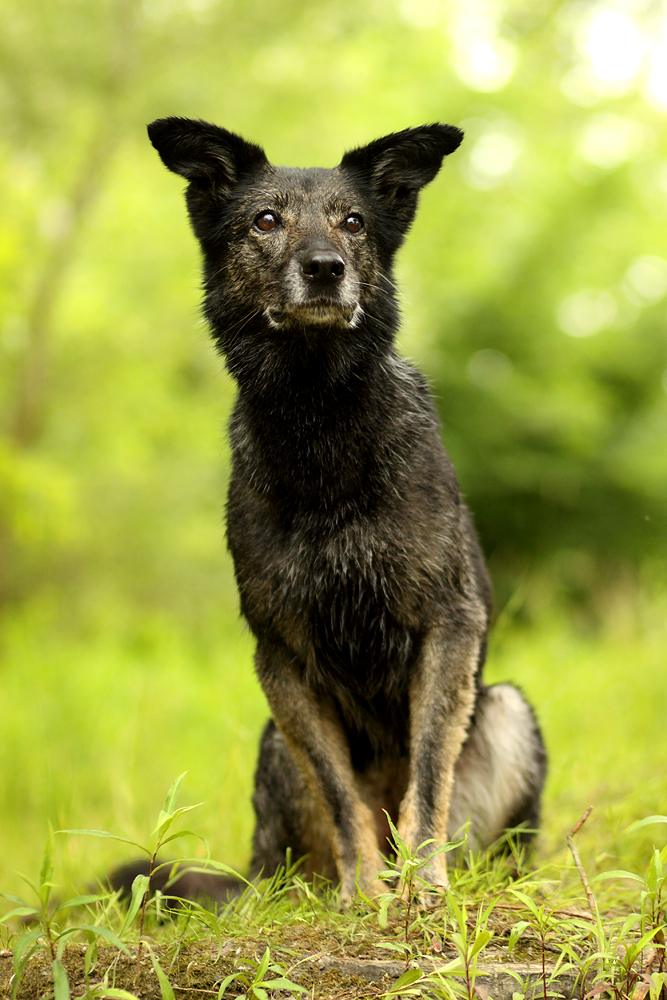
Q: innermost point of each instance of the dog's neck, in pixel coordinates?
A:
(309, 414)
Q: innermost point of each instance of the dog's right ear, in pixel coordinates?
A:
(399, 165)
(206, 155)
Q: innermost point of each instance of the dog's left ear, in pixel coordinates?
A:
(206, 155)
(399, 165)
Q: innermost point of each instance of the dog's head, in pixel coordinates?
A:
(303, 249)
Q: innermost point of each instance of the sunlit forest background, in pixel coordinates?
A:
(534, 298)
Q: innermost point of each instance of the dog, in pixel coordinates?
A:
(358, 567)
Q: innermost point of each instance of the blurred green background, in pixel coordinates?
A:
(534, 297)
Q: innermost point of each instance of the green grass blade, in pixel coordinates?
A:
(169, 811)
(46, 871)
(107, 934)
(263, 966)
(81, 901)
(166, 989)
(646, 822)
(481, 941)
(172, 794)
(139, 889)
(60, 982)
(282, 983)
(110, 836)
(617, 873)
(408, 978)
(112, 993)
(20, 911)
(24, 943)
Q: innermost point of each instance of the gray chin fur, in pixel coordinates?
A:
(318, 314)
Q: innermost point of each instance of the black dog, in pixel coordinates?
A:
(357, 564)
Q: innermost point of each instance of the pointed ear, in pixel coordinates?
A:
(399, 165)
(203, 153)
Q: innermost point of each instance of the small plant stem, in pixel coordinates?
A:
(49, 935)
(408, 910)
(544, 962)
(580, 868)
(144, 904)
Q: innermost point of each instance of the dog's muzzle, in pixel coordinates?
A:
(319, 290)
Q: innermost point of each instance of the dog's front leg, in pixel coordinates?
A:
(319, 747)
(442, 698)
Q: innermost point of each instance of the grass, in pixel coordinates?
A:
(97, 720)
(526, 921)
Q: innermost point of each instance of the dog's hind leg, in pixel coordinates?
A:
(500, 772)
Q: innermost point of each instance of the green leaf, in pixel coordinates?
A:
(529, 903)
(13, 899)
(166, 989)
(646, 822)
(617, 873)
(516, 932)
(173, 793)
(646, 939)
(81, 901)
(395, 836)
(282, 983)
(107, 934)
(393, 946)
(60, 982)
(169, 807)
(165, 820)
(217, 866)
(20, 911)
(407, 979)
(63, 939)
(263, 966)
(91, 953)
(628, 924)
(481, 941)
(139, 890)
(24, 942)
(225, 983)
(182, 833)
(453, 968)
(46, 871)
(113, 993)
(260, 993)
(383, 912)
(26, 946)
(110, 836)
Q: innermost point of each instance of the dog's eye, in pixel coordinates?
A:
(354, 223)
(266, 221)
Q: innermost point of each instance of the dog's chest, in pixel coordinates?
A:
(360, 632)
(349, 605)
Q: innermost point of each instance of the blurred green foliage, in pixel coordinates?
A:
(535, 290)
(534, 279)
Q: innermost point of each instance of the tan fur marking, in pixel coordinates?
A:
(441, 703)
(311, 731)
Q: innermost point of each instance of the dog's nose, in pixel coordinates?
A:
(322, 265)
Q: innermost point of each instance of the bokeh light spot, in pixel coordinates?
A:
(587, 312)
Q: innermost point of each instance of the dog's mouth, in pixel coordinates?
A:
(318, 312)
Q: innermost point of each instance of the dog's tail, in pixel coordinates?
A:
(177, 881)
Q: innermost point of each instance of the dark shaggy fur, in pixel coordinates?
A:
(358, 568)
